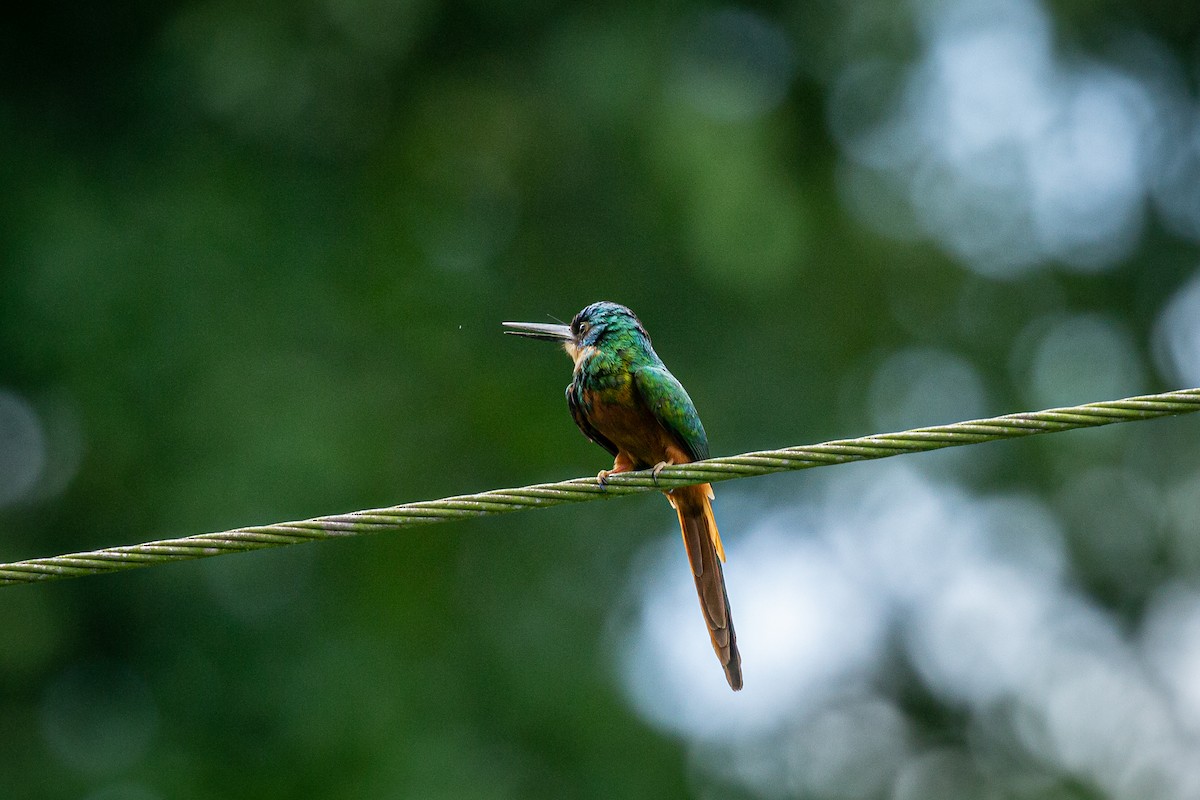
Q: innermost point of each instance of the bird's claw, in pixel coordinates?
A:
(657, 469)
(602, 477)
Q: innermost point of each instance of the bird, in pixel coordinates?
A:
(625, 399)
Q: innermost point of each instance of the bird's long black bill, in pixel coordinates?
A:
(545, 331)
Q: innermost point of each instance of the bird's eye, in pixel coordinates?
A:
(584, 327)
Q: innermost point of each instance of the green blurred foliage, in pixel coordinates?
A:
(253, 262)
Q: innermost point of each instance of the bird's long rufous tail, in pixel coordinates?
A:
(705, 554)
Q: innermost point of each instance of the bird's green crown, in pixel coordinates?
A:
(604, 323)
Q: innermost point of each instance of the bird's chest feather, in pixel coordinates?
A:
(608, 396)
(613, 407)
(615, 411)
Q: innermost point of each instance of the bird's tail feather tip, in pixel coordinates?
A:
(705, 554)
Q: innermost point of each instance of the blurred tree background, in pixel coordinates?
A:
(253, 261)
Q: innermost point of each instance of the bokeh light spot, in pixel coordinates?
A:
(1177, 334)
(804, 620)
(98, 717)
(733, 64)
(22, 447)
(1014, 157)
(1080, 357)
(924, 386)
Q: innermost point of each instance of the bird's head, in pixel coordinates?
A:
(597, 325)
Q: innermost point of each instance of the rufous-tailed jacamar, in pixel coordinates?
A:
(624, 399)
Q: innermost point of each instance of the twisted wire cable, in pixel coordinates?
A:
(578, 490)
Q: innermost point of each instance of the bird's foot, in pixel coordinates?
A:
(657, 469)
(602, 477)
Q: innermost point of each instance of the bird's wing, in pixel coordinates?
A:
(668, 401)
(579, 413)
